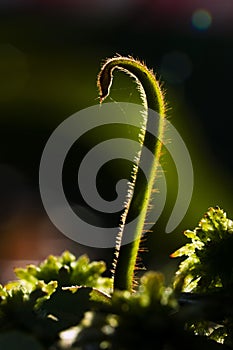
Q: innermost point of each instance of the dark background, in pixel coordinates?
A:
(50, 55)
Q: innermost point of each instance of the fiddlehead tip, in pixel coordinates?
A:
(104, 80)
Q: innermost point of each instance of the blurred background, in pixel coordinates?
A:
(50, 55)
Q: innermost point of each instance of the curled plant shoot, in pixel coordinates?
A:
(153, 100)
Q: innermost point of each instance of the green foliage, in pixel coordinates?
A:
(208, 265)
(138, 320)
(39, 304)
(66, 271)
(207, 272)
(147, 319)
(49, 315)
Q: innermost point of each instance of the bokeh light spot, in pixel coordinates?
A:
(201, 19)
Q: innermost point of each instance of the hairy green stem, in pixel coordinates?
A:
(139, 198)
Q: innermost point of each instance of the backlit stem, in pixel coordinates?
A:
(139, 199)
